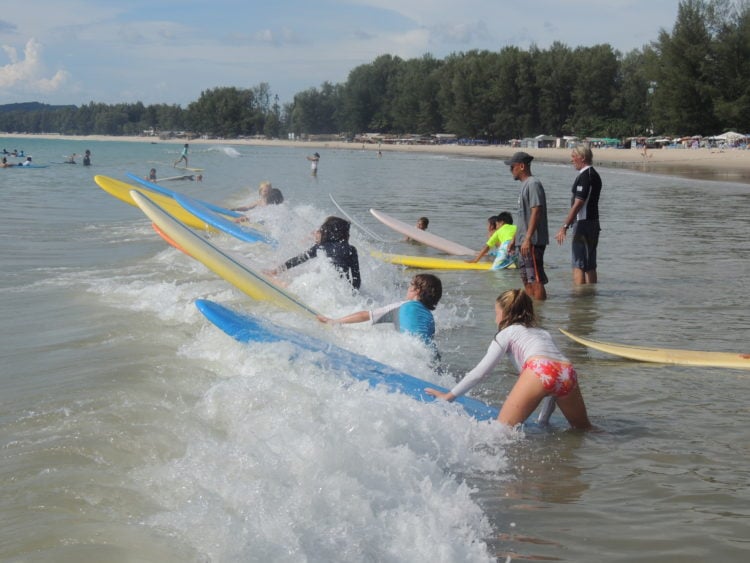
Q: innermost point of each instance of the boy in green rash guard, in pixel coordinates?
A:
(413, 316)
(503, 232)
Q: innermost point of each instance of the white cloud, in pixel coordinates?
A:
(28, 73)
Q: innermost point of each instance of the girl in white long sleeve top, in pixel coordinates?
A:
(544, 371)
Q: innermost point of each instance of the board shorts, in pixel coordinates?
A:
(585, 241)
(532, 266)
(502, 256)
(559, 378)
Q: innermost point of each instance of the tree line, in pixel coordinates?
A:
(694, 79)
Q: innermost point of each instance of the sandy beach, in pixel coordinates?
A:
(731, 165)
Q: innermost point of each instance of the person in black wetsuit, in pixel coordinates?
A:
(333, 242)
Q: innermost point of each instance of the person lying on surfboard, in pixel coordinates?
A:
(544, 371)
(502, 233)
(333, 242)
(413, 316)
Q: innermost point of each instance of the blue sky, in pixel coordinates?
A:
(169, 51)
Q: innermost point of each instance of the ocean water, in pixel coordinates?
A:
(131, 429)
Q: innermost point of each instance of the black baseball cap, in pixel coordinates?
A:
(520, 156)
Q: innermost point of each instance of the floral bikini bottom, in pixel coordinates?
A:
(558, 378)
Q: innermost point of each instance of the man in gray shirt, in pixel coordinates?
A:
(532, 236)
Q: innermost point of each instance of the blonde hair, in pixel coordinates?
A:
(264, 184)
(584, 151)
(517, 307)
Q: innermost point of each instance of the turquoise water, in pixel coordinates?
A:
(132, 429)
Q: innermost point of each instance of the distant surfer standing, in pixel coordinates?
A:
(183, 156)
(314, 159)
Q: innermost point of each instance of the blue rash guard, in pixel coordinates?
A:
(407, 316)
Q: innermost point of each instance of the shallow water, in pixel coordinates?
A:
(132, 429)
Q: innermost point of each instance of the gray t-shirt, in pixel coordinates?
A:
(532, 195)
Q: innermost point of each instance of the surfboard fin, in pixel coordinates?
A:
(548, 407)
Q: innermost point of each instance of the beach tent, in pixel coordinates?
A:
(730, 136)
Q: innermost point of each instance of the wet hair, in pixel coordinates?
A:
(423, 221)
(584, 152)
(429, 288)
(505, 217)
(275, 197)
(517, 307)
(334, 229)
(492, 222)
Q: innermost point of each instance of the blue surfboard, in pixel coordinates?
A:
(225, 225)
(171, 193)
(248, 328)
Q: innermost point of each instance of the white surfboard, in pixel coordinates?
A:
(425, 237)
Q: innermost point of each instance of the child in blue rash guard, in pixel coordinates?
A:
(413, 316)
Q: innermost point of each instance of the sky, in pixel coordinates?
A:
(169, 51)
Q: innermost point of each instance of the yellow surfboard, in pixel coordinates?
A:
(121, 190)
(666, 355)
(232, 269)
(432, 263)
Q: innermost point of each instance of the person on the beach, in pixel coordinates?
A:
(532, 234)
(314, 159)
(332, 241)
(152, 175)
(87, 158)
(543, 370)
(583, 216)
(413, 316)
(183, 156)
(502, 234)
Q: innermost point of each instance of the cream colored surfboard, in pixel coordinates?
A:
(667, 355)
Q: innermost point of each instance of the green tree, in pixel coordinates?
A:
(555, 75)
(414, 107)
(683, 94)
(368, 95)
(731, 71)
(594, 97)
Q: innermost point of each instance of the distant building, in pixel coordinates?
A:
(539, 142)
